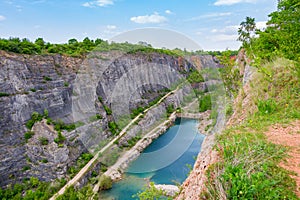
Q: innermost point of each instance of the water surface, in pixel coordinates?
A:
(164, 161)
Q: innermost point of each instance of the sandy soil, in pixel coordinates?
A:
(289, 136)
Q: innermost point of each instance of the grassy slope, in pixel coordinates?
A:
(248, 166)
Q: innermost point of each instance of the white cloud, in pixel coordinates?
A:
(111, 27)
(223, 37)
(2, 18)
(210, 15)
(231, 2)
(101, 3)
(145, 19)
(226, 30)
(261, 25)
(169, 12)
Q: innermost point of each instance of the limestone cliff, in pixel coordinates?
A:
(69, 88)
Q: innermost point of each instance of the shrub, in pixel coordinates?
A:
(35, 117)
(131, 142)
(28, 135)
(205, 103)
(46, 113)
(113, 128)
(105, 183)
(60, 125)
(136, 112)
(170, 108)
(46, 78)
(44, 160)
(60, 138)
(27, 167)
(43, 141)
(107, 110)
(151, 192)
(195, 77)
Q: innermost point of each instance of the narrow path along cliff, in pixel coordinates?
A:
(96, 156)
(288, 135)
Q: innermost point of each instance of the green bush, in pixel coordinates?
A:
(170, 109)
(31, 188)
(59, 125)
(113, 128)
(28, 135)
(131, 142)
(35, 117)
(136, 112)
(205, 103)
(44, 140)
(46, 78)
(195, 77)
(60, 138)
(44, 160)
(105, 183)
(107, 110)
(151, 193)
(27, 167)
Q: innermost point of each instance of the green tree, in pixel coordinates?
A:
(246, 31)
(40, 42)
(151, 193)
(105, 182)
(72, 41)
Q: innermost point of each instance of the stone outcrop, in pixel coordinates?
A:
(169, 190)
(69, 88)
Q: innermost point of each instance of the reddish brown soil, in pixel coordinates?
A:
(289, 136)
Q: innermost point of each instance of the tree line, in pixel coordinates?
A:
(280, 38)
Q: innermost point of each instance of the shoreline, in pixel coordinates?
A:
(116, 171)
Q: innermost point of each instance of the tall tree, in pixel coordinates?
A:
(247, 31)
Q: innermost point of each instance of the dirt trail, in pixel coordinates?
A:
(289, 136)
(121, 134)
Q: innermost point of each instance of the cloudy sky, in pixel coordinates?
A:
(212, 24)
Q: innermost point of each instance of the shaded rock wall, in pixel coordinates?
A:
(69, 88)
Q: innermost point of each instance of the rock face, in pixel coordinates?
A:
(170, 190)
(34, 83)
(69, 89)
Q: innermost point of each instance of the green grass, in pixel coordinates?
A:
(248, 165)
(31, 188)
(111, 156)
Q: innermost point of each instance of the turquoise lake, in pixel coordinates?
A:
(164, 161)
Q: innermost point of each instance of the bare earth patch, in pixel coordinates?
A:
(289, 136)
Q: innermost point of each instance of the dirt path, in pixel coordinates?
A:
(289, 136)
(93, 160)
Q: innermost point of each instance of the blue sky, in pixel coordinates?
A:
(211, 23)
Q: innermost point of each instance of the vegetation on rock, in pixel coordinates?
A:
(248, 167)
